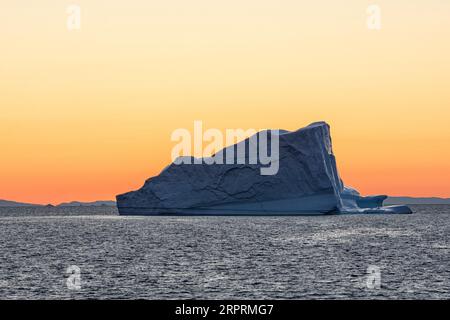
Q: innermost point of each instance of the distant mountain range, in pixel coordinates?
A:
(413, 200)
(6, 203)
(87, 204)
(107, 203)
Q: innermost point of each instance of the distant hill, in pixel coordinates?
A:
(107, 203)
(88, 204)
(412, 200)
(7, 203)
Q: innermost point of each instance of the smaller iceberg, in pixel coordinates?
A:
(306, 182)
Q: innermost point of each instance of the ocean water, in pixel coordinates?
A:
(325, 257)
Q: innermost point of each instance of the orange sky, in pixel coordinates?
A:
(88, 114)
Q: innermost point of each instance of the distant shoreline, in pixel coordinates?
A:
(108, 203)
(418, 200)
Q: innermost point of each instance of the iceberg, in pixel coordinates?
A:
(307, 183)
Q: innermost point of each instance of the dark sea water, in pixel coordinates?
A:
(315, 257)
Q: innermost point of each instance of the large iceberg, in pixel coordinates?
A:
(307, 182)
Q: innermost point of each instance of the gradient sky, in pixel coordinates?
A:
(88, 114)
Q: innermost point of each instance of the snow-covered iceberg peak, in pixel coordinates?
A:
(307, 182)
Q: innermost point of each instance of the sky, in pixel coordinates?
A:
(87, 114)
